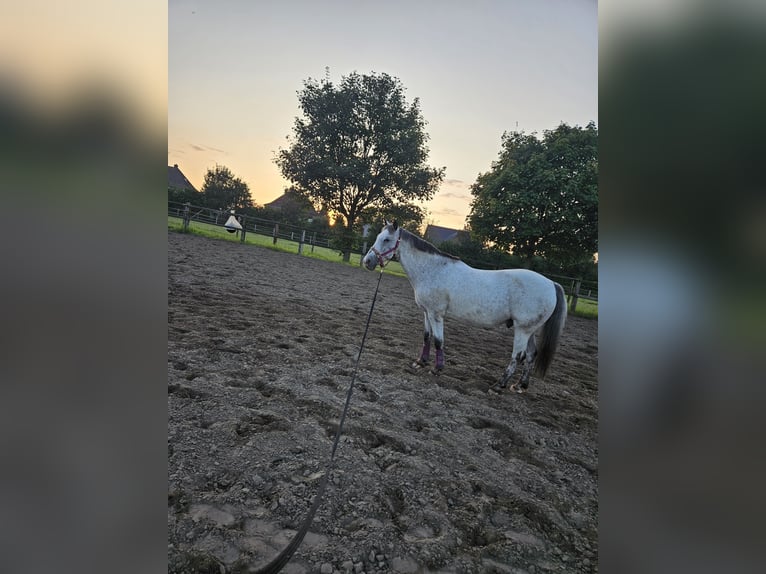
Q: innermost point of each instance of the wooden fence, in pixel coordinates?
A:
(574, 288)
(274, 229)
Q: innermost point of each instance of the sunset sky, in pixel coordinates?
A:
(479, 68)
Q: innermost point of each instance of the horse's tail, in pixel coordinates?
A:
(551, 333)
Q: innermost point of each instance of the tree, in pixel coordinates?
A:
(184, 195)
(540, 198)
(221, 190)
(292, 208)
(358, 145)
(408, 215)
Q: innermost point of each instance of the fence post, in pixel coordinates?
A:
(276, 232)
(575, 294)
(244, 229)
(363, 252)
(313, 240)
(300, 245)
(187, 215)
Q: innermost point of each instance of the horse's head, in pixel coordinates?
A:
(385, 246)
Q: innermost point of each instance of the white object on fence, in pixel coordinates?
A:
(232, 224)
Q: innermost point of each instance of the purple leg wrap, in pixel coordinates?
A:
(439, 358)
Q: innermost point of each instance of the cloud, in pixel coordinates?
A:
(457, 189)
(447, 211)
(205, 148)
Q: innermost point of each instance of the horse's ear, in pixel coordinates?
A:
(396, 225)
(385, 222)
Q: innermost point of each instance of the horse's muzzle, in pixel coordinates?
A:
(370, 261)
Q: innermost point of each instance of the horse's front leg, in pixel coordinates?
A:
(425, 353)
(437, 329)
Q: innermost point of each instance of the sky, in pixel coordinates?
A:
(479, 68)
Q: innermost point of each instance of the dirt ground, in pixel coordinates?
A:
(433, 473)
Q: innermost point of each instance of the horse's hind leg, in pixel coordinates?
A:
(507, 374)
(529, 360)
(520, 341)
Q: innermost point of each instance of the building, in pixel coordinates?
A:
(288, 201)
(292, 204)
(177, 180)
(437, 235)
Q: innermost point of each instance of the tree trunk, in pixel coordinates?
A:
(348, 238)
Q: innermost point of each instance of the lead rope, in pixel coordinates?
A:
(284, 557)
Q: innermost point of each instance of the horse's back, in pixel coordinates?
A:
(492, 298)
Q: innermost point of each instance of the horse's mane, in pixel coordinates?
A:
(422, 245)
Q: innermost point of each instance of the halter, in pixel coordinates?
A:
(380, 255)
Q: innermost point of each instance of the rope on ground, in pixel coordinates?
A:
(283, 557)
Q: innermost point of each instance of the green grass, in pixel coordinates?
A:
(585, 308)
(284, 245)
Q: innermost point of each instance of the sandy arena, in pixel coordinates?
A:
(433, 473)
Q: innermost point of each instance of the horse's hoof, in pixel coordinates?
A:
(437, 371)
(419, 364)
(517, 389)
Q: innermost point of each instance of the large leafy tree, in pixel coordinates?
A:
(409, 216)
(221, 190)
(358, 146)
(540, 199)
(184, 195)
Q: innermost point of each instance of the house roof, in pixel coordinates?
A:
(290, 201)
(284, 200)
(177, 179)
(436, 234)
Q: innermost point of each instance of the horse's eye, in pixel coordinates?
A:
(386, 240)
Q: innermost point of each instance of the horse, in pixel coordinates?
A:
(446, 286)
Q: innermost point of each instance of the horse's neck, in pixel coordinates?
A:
(414, 262)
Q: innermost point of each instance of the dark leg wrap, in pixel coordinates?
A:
(439, 355)
(425, 354)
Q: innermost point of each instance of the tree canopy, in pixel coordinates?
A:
(359, 146)
(540, 199)
(184, 195)
(221, 190)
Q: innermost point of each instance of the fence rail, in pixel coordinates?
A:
(574, 288)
